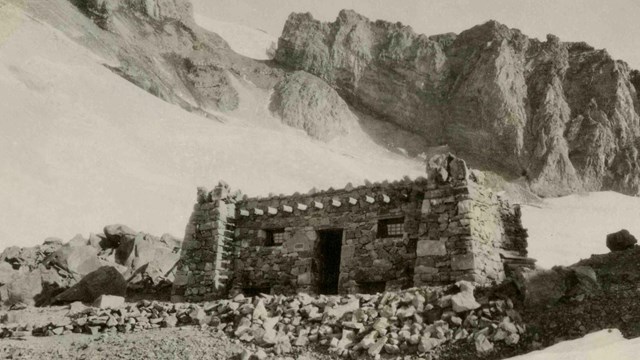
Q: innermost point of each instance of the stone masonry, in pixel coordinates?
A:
(437, 230)
(207, 250)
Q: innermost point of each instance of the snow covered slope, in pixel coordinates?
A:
(245, 41)
(564, 230)
(81, 147)
(605, 344)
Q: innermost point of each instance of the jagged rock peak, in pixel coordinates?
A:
(563, 115)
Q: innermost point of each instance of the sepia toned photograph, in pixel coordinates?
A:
(314, 180)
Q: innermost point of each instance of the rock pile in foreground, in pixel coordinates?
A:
(414, 321)
(37, 275)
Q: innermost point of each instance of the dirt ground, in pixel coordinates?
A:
(176, 343)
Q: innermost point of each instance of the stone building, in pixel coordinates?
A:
(429, 231)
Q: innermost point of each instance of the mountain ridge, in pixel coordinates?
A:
(545, 110)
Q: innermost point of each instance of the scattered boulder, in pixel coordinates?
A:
(464, 300)
(106, 280)
(114, 234)
(359, 325)
(621, 240)
(150, 263)
(541, 287)
(582, 280)
(77, 307)
(545, 287)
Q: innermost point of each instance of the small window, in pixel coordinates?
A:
(275, 237)
(390, 227)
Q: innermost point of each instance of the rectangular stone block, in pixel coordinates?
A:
(181, 279)
(425, 270)
(463, 262)
(431, 248)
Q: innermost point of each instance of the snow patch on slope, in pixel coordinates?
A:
(604, 344)
(564, 230)
(245, 41)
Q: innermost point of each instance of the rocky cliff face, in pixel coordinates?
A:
(161, 49)
(564, 115)
(306, 102)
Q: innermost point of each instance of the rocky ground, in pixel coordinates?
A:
(536, 310)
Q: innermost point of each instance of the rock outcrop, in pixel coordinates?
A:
(158, 46)
(565, 115)
(306, 102)
(621, 240)
(540, 287)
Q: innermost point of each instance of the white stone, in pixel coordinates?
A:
(317, 205)
(301, 207)
(352, 201)
(336, 203)
(258, 211)
(271, 210)
(244, 212)
(340, 310)
(287, 208)
(464, 301)
(385, 198)
(260, 312)
(369, 199)
(109, 302)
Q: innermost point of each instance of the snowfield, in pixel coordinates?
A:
(245, 41)
(81, 148)
(564, 230)
(604, 344)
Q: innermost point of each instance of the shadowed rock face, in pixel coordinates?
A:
(563, 114)
(306, 102)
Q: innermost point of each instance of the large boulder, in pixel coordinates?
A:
(155, 272)
(134, 253)
(541, 287)
(23, 286)
(544, 287)
(27, 257)
(107, 280)
(171, 241)
(31, 287)
(115, 234)
(53, 283)
(75, 259)
(582, 280)
(621, 240)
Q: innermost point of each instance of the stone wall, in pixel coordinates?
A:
(204, 268)
(365, 258)
(452, 228)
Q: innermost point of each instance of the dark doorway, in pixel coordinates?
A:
(330, 246)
